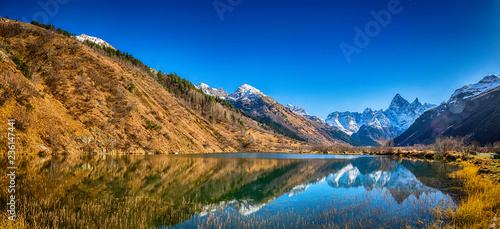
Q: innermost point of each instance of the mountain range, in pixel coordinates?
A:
(94, 99)
(472, 112)
(370, 125)
(281, 119)
(367, 127)
(70, 96)
(363, 128)
(398, 121)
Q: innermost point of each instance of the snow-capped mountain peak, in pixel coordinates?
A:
(388, 124)
(398, 102)
(297, 109)
(202, 85)
(416, 103)
(487, 83)
(402, 114)
(246, 92)
(212, 91)
(99, 41)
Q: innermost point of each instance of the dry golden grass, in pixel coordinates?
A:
(481, 206)
(20, 223)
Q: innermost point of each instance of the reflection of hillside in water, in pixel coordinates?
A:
(370, 173)
(177, 187)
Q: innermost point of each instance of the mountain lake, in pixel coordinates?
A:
(240, 190)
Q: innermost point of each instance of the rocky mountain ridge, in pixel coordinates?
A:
(370, 125)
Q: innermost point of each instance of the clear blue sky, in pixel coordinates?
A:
(291, 49)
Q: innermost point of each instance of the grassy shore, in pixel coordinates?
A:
(480, 176)
(481, 207)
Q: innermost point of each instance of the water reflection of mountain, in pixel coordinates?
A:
(176, 187)
(400, 182)
(369, 173)
(244, 207)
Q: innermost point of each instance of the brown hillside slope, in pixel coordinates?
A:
(67, 97)
(295, 125)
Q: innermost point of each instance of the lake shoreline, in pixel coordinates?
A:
(487, 165)
(479, 191)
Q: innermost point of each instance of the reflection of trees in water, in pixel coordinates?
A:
(105, 189)
(435, 175)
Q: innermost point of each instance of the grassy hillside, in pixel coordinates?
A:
(68, 96)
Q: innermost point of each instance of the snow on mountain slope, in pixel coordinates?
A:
(487, 83)
(473, 112)
(389, 123)
(297, 109)
(283, 120)
(301, 111)
(99, 41)
(366, 127)
(402, 114)
(351, 122)
(212, 91)
(246, 93)
(346, 122)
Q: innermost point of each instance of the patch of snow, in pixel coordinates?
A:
(212, 91)
(99, 41)
(301, 111)
(297, 109)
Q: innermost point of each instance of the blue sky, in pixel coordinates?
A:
(291, 49)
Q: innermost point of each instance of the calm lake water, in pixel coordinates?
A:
(241, 190)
